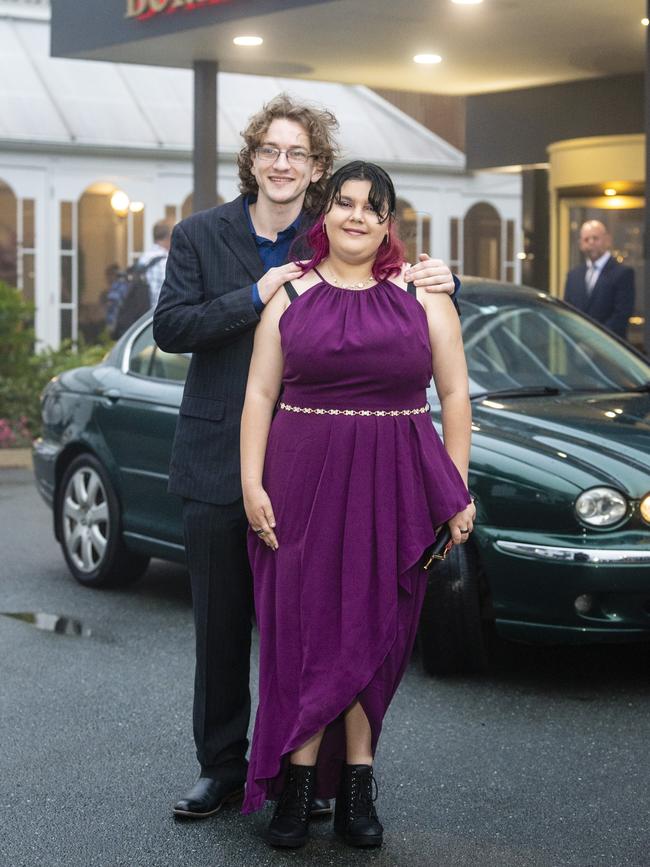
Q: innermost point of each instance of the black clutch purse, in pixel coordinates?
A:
(440, 548)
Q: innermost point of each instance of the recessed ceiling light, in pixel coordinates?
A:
(466, 2)
(645, 21)
(427, 58)
(248, 40)
(610, 191)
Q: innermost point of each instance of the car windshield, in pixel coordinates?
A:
(531, 344)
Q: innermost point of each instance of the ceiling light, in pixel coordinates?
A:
(609, 191)
(427, 58)
(645, 21)
(466, 2)
(136, 207)
(248, 40)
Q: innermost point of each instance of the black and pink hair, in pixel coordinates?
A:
(382, 199)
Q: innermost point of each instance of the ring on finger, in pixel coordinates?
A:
(260, 532)
(466, 530)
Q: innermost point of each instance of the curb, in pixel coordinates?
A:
(15, 459)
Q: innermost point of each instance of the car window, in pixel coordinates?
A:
(170, 365)
(147, 359)
(520, 342)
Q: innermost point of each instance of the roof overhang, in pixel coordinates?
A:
(497, 45)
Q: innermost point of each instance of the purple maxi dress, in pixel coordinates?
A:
(355, 499)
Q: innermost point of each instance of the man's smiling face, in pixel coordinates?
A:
(280, 181)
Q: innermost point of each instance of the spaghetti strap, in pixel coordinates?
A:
(291, 292)
(316, 271)
(411, 289)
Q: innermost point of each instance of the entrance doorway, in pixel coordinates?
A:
(623, 216)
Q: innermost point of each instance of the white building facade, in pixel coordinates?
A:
(72, 133)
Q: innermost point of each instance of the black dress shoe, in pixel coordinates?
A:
(207, 796)
(355, 818)
(288, 827)
(320, 807)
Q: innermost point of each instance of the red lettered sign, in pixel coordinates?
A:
(144, 9)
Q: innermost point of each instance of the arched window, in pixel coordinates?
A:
(17, 241)
(97, 240)
(482, 241)
(414, 229)
(8, 236)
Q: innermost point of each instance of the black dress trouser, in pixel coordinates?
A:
(222, 599)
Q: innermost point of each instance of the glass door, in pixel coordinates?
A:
(623, 216)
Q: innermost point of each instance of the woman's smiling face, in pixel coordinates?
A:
(354, 229)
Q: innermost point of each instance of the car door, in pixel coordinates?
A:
(137, 415)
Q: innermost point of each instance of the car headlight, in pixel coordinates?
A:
(601, 507)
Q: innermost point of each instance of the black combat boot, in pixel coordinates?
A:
(290, 821)
(355, 817)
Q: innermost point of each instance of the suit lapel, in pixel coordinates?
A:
(582, 298)
(236, 234)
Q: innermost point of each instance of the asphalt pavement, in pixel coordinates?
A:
(543, 763)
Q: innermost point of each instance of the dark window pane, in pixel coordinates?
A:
(8, 247)
(482, 242)
(510, 240)
(66, 325)
(138, 231)
(407, 228)
(453, 239)
(29, 208)
(66, 279)
(28, 277)
(510, 274)
(66, 225)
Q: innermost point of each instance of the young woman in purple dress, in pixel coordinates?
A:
(343, 487)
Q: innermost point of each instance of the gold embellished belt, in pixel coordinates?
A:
(394, 412)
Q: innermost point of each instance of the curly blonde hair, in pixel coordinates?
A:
(319, 124)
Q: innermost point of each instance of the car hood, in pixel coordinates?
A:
(586, 439)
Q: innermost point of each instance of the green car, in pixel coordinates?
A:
(560, 467)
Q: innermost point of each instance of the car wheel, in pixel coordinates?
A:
(452, 639)
(89, 525)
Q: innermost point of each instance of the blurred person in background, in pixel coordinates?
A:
(113, 295)
(601, 287)
(154, 260)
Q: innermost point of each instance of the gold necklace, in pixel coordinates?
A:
(360, 284)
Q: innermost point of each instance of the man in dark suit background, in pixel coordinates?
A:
(224, 265)
(601, 287)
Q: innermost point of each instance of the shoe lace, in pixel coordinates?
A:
(294, 800)
(364, 791)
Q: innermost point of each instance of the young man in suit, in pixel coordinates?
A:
(224, 265)
(601, 287)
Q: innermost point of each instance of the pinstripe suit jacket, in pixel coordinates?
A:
(206, 308)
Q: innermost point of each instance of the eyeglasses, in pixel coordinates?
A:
(269, 154)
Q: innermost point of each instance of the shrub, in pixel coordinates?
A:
(24, 373)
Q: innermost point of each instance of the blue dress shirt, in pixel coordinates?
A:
(272, 253)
